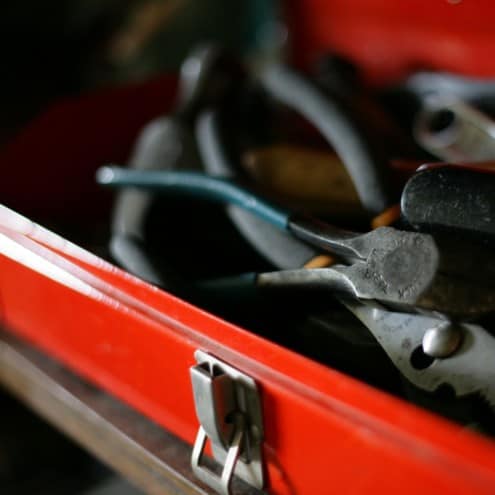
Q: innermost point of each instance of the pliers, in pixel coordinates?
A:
(404, 270)
(467, 367)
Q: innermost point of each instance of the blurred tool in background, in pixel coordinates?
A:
(76, 46)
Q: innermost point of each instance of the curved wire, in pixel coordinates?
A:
(197, 185)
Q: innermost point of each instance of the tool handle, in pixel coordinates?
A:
(452, 199)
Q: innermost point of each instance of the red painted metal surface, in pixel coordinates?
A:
(48, 167)
(390, 39)
(323, 429)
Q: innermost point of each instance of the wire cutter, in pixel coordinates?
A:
(467, 366)
(403, 270)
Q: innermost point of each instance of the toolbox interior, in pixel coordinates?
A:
(200, 239)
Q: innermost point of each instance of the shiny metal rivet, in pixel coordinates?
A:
(442, 341)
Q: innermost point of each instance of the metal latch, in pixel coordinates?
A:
(229, 411)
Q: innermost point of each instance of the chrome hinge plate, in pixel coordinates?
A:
(228, 406)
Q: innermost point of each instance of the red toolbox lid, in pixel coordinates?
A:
(388, 40)
(322, 428)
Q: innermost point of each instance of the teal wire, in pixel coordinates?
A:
(234, 287)
(196, 185)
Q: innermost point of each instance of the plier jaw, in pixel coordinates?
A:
(468, 370)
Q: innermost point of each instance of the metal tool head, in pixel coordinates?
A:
(400, 270)
(394, 267)
(455, 131)
(409, 271)
(469, 370)
(206, 76)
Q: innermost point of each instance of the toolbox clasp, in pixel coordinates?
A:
(228, 407)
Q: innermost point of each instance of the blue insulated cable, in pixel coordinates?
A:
(196, 185)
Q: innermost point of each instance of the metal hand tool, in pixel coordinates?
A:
(469, 350)
(163, 143)
(213, 147)
(278, 247)
(450, 114)
(454, 130)
(340, 121)
(167, 143)
(452, 198)
(365, 162)
(407, 270)
(478, 91)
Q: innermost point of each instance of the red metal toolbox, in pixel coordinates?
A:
(322, 428)
(323, 431)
